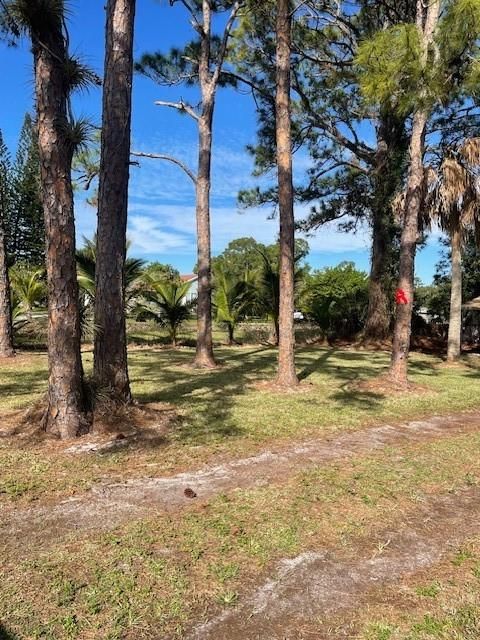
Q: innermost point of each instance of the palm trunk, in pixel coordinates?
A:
(6, 332)
(286, 375)
(64, 415)
(204, 355)
(414, 200)
(455, 324)
(110, 350)
(230, 331)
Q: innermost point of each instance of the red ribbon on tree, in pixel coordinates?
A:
(400, 297)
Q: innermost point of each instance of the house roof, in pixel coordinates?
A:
(189, 277)
(473, 304)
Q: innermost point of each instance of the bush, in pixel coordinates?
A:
(336, 299)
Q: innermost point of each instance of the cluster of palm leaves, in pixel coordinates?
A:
(28, 293)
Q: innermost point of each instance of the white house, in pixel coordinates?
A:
(191, 278)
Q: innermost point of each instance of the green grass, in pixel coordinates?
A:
(153, 576)
(220, 413)
(150, 578)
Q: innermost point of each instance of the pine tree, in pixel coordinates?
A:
(6, 333)
(110, 348)
(25, 227)
(202, 62)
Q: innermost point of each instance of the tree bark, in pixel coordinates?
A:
(204, 354)
(231, 337)
(408, 244)
(110, 350)
(455, 324)
(286, 375)
(6, 331)
(427, 18)
(387, 176)
(64, 415)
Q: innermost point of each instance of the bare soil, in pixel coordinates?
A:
(305, 592)
(108, 505)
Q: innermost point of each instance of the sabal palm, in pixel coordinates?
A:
(86, 261)
(269, 288)
(167, 302)
(233, 299)
(28, 289)
(453, 201)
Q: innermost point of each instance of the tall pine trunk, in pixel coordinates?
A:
(427, 18)
(110, 350)
(455, 324)
(64, 415)
(204, 355)
(6, 332)
(286, 375)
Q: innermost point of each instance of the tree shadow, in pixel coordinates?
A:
(363, 400)
(7, 635)
(315, 365)
(208, 397)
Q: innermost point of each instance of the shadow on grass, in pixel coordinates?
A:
(7, 635)
(24, 383)
(364, 400)
(209, 396)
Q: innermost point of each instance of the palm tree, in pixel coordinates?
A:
(268, 287)
(167, 302)
(86, 268)
(29, 289)
(56, 75)
(110, 349)
(233, 298)
(453, 201)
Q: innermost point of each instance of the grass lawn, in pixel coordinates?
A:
(150, 578)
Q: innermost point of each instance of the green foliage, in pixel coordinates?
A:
(336, 299)
(86, 260)
(233, 299)
(459, 47)
(167, 302)
(390, 64)
(159, 271)
(29, 290)
(389, 67)
(25, 230)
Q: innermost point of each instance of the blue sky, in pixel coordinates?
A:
(161, 212)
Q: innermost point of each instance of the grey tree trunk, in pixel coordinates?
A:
(110, 349)
(455, 324)
(427, 18)
(64, 415)
(204, 354)
(286, 375)
(6, 332)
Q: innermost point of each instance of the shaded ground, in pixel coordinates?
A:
(107, 505)
(314, 586)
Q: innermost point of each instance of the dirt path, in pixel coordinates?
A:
(106, 506)
(314, 586)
